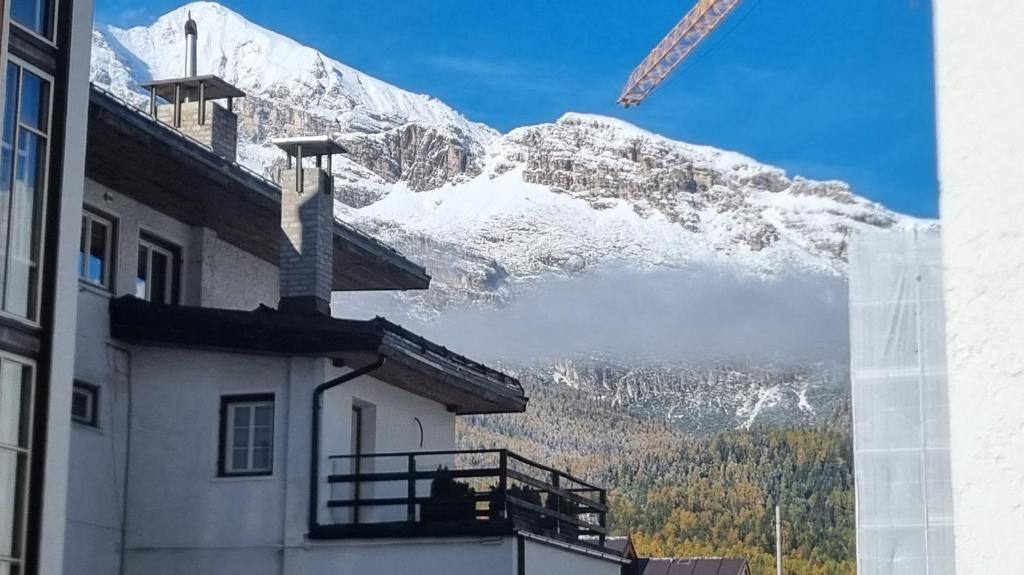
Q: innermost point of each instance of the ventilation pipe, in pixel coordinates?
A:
(191, 33)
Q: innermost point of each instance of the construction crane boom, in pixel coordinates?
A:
(704, 17)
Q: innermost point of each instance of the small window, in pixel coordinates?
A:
(96, 250)
(36, 15)
(247, 435)
(158, 275)
(85, 404)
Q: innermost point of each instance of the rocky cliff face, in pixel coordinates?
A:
(493, 216)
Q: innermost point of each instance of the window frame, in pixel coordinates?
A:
(50, 39)
(225, 445)
(24, 452)
(32, 318)
(93, 392)
(173, 254)
(90, 215)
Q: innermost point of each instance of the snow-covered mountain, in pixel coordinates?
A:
(494, 215)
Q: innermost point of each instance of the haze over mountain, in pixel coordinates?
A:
(672, 279)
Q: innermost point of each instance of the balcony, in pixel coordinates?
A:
(459, 493)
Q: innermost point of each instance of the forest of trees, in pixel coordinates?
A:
(685, 496)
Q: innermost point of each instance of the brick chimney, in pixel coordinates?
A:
(191, 103)
(307, 224)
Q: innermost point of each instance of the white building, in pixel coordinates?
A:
(44, 83)
(225, 423)
(979, 67)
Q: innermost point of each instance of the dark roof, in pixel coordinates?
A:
(413, 363)
(692, 566)
(621, 545)
(214, 87)
(131, 152)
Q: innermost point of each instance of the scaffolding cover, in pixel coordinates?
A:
(900, 420)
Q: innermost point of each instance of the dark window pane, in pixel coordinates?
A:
(240, 437)
(11, 488)
(261, 437)
(242, 416)
(32, 14)
(239, 459)
(7, 168)
(24, 233)
(142, 278)
(261, 458)
(264, 415)
(34, 101)
(82, 247)
(80, 404)
(158, 291)
(98, 253)
(14, 393)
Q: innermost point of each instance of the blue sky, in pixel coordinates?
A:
(828, 89)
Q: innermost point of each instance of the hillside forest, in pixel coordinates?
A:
(682, 495)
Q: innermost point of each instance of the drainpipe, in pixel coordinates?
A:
(314, 463)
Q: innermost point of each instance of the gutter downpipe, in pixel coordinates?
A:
(314, 463)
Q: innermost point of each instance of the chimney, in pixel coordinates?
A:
(191, 103)
(307, 224)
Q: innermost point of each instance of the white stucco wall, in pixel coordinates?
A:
(980, 74)
(551, 559)
(448, 556)
(390, 426)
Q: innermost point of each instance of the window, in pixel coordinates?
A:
(23, 153)
(16, 387)
(85, 404)
(96, 251)
(158, 276)
(35, 15)
(247, 435)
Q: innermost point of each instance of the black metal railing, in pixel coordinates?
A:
(460, 493)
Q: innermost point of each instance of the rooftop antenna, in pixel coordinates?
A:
(191, 32)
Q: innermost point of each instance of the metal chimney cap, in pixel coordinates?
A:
(310, 145)
(190, 26)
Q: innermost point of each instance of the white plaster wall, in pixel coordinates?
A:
(233, 278)
(175, 499)
(980, 75)
(548, 559)
(97, 457)
(447, 556)
(393, 429)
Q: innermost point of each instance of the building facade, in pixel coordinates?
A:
(43, 95)
(981, 161)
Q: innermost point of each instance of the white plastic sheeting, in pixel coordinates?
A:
(900, 405)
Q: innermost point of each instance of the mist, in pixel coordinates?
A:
(690, 315)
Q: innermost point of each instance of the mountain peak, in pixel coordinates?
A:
(268, 65)
(599, 121)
